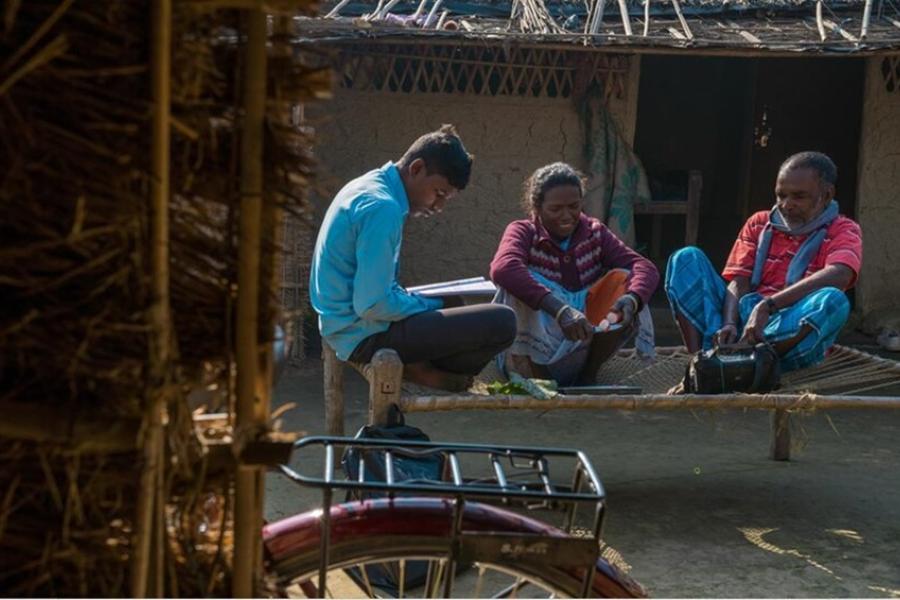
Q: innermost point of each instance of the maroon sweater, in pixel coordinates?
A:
(593, 250)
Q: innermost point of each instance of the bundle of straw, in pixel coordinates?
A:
(75, 115)
(534, 17)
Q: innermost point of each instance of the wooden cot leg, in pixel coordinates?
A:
(781, 435)
(385, 375)
(334, 391)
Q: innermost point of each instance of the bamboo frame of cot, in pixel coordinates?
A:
(385, 372)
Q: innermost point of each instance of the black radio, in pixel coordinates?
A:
(738, 368)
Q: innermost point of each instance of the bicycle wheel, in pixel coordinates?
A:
(399, 531)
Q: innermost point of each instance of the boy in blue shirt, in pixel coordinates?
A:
(353, 281)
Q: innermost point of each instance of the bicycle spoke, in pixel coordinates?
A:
(479, 583)
(429, 576)
(420, 575)
(434, 590)
(442, 572)
(365, 577)
(510, 591)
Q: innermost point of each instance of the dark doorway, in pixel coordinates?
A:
(804, 104)
(706, 113)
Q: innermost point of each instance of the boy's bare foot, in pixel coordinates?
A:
(425, 374)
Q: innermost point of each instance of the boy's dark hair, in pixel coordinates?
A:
(444, 154)
(546, 178)
(817, 161)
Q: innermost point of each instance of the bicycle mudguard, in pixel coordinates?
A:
(421, 516)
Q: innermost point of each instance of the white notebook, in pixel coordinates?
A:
(473, 286)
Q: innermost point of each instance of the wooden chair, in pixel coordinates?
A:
(689, 207)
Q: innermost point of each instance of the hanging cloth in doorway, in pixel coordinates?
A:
(616, 178)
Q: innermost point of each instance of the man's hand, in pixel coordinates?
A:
(756, 324)
(727, 334)
(452, 301)
(574, 325)
(623, 310)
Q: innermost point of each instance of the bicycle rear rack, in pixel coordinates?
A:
(519, 474)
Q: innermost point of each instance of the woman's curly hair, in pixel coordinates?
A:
(544, 179)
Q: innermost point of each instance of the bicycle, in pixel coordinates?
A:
(466, 544)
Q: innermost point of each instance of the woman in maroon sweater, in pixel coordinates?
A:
(564, 273)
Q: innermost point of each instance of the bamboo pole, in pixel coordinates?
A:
(836, 27)
(598, 16)
(867, 16)
(148, 526)
(248, 493)
(334, 11)
(820, 25)
(419, 10)
(272, 229)
(442, 19)
(646, 17)
(626, 20)
(410, 404)
(617, 45)
(432, 14)
(682, 20)
(387, 8)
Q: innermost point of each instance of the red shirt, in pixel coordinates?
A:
(842, 246)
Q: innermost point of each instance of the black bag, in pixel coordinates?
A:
(406, 467)
(386, 576)
(725, 369)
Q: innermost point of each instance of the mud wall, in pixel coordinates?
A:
(879, 187)
(510, 137)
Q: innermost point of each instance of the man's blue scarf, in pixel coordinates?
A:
(808, 250)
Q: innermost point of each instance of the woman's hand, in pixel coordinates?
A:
(623, 310)
(574, 325)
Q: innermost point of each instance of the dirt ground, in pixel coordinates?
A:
(696, 508)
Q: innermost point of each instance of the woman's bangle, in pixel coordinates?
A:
(634, 300)
(559, 312)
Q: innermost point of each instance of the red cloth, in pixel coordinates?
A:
(842, 246)
(593, 250)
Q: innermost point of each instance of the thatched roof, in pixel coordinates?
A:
(729, 26)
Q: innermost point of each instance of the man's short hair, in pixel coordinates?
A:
(817, 161)
(444, 154)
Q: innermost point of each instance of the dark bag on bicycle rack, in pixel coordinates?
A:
(386, 576)
(406, 467)
(726, 369)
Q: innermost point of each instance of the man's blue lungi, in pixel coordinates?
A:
(697, 291)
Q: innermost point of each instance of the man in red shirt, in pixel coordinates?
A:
(786, 274)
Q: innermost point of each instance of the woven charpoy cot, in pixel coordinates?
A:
(846, 379)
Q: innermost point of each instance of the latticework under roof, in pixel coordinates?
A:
(733, 27)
